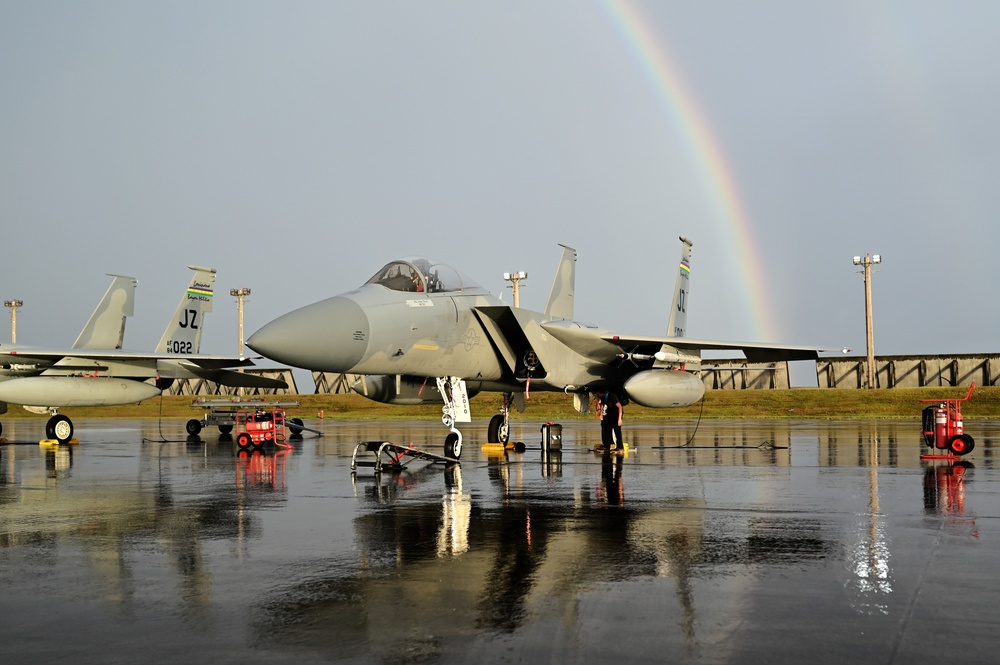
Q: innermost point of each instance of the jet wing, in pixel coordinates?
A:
(754, 351)
(228, 377)
(54, 357)
(212, 368)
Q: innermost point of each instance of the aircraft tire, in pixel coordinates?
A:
(497, 432)
(59, 428)
(244, 441)
(225, 429)
(961, 444)
(193, 427)
(452, 446)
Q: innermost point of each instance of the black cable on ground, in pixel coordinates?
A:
(159, 425)
(765, 445)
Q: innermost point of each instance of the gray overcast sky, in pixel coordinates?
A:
(299, 146)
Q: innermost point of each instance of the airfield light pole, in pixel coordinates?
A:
(13, 305)
(866, 262)
(515, 279)
(239, 294)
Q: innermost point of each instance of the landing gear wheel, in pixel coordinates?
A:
(244, 441)
(59, 428)
(225, 429)
(961, 444)
(295, 426)
(193, 427)
(453, 446)
(498, 431)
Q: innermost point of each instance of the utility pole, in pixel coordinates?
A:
(515, 278)
(866, 262)
(13, 305)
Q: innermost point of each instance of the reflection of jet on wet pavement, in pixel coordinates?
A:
(435, 570)
(106, 520)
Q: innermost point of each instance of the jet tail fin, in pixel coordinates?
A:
(106, 327)
(183, 333)
(560, 304)
(677, 325)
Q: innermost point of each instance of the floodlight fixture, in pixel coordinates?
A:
(515, 277)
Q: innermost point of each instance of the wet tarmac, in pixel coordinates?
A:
(760, 541)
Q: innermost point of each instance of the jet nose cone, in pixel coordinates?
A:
(328, 336)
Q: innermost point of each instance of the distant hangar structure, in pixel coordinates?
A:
(842, 372)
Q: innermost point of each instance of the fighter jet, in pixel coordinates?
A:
(418, 324)
(97, 372)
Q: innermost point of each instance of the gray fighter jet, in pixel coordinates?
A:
(417, 325)
(97, 372)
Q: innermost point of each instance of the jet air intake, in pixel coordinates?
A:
(664, 388)
(400, 390)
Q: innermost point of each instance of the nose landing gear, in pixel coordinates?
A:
(455, 410)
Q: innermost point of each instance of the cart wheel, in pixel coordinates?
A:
(225, 429)
(452, 446)
(193, 427)
(961, 444)
(295, 426)
(497, 432)
(244, 440)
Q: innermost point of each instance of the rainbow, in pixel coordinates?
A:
(713, 169)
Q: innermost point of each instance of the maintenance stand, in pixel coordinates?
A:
(391, 456)
(222, 413)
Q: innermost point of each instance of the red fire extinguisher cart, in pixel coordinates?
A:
(943, 429)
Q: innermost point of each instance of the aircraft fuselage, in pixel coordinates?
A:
(374, 330)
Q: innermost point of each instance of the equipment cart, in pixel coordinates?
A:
(222, 414)
(255, 428)
(944, 430)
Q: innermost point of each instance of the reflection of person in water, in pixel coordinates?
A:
(611, 473)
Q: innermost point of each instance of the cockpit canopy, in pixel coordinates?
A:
(421, 275)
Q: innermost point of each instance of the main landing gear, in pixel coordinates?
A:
(499, 429)
(59, 428)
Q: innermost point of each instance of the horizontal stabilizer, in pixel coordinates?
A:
(227, 377)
